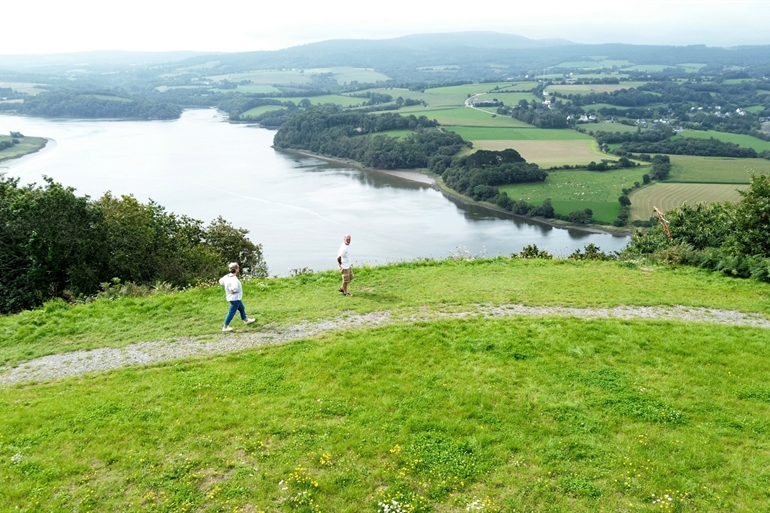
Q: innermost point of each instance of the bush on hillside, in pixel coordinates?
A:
(56, 244)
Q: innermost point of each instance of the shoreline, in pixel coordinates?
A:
(438, 184)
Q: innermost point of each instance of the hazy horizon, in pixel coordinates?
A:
(46, 27)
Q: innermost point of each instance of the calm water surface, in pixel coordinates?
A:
(297, 207)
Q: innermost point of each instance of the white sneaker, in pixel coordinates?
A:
(248, 321)
(227, 328)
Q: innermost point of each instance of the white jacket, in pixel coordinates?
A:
(232, 285)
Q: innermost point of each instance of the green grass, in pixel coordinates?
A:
(432, 285)
(256, 111)
(509, 414)
(733, 81)
(512, 98)
(592, 88)
(692, 67)
(26, 145)
(337, 99)
(517, 134)
(111, 98)
(744, 141)
(686, 168)
(24, 87)
(465, 116)
(577, 190)
(580, 65)
(649, 67)
(252, 88)
(609, 127)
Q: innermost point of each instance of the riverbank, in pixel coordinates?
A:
(437, 183)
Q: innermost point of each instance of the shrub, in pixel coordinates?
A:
(532, 251)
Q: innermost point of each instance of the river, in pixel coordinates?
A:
(297, 207)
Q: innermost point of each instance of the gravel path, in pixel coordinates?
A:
(143, 353)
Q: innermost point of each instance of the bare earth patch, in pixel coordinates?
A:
(144, 353)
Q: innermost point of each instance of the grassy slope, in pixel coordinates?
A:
(507, 414)
(433, 285)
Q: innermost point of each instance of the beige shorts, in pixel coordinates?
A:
(347, 274)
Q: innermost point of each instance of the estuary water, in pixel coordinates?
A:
(297, 207)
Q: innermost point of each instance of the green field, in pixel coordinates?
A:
(518, 134)
(649, 67)
(686, 168)
(577, 190)
(509, 98)
(541, 412)
(111, 98)
(467, 117)
(666, 196)
(256, 111)
(455, 96)
(592, 88)
(266, 77)
(691, 67)
(733, 81)
(580, 65)
(26, 145)
(251, 88)
(608, 127)
(337, 99)
(24, 87)
(744, 141)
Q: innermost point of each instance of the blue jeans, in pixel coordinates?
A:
(235, 306)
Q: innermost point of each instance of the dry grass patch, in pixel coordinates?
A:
(666, 196)
(548, 153)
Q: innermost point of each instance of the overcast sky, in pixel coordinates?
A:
(37, 26)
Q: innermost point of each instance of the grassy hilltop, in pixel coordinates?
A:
(431, 411)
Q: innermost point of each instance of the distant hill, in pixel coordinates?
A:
(102, 59)
(473, 55)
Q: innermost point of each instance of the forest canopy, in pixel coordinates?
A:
(362, 137)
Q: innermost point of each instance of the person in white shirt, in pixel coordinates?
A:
(234, 294)
(343, 262)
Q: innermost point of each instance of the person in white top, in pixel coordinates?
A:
(343, 262)
(234, 294)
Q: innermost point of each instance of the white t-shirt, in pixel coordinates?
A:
(232, 286)
(342, 253)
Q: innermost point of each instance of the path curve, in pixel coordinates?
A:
(143, 353)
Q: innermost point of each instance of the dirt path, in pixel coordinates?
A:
(104, 359)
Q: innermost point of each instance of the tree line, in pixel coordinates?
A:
(54, 243)
(477, 175)
(689, 146)
(59, 104)
(329, 131)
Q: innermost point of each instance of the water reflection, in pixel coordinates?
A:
(297, 206)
